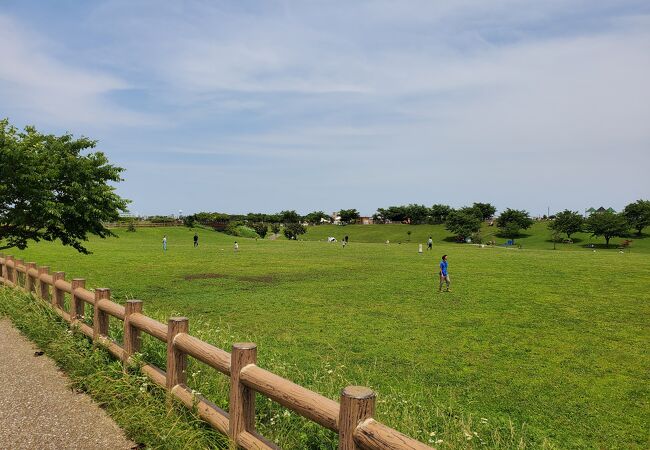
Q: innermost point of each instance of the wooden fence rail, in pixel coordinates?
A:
(351, 418)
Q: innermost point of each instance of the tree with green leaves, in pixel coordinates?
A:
(567, 222)
(439, 213)
(484, 211)
(390, 214)
(417, 214)
(316, 217)
(463, 222)
(607, 224)
(512, 221)
(275, 227)
(293, 230)
(289, 216)
(189, 221)
(52, 188)
(260, 228)
(349, 215)
(637, 215)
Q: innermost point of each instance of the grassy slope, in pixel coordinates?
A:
(537, 237)
(549, 347)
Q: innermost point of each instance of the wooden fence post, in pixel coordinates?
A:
(131, 334)
(3, 267)
(176, 359)
(17, 281)
(58, 295)
(76, 304)
(357, 405)
(45, 288)
(100, 319)
(29, 279)
(242, 398)
(11, 271)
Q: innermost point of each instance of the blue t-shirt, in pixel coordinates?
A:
(443, 267)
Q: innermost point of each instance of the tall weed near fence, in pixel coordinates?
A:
(130, 398)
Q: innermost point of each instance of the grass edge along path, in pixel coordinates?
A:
(129, 398)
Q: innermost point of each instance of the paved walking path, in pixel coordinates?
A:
(38, 410)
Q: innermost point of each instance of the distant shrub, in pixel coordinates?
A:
(131, 227)
(275, 228)
(293, 230)
(189, 221)
(261, 229)
(231, 228)
(237, 228)
(246, 232)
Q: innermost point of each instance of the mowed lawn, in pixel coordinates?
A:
(534, 348)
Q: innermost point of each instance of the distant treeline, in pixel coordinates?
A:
(463, 222)
(412, 214)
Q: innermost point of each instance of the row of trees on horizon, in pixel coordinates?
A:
(464, 222)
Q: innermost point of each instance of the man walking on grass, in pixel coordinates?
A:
(444, 276)
(196, 240)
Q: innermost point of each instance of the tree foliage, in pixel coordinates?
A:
(349, 215)
(484, 211)
(512, 221)
(293, 230)
(568, 222)
(50, 189)
(260, 228)
(315, 217)
(189, 221)
(463, 222)
(607, 224)
(413, 214)
(439, 213)
(390, 214)
(289, 217)
(637, 215)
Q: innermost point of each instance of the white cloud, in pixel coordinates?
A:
(45, 90)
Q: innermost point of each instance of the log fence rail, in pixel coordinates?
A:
(352, 417)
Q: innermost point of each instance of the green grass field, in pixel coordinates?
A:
(532, 348)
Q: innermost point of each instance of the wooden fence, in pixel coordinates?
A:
(352, 418)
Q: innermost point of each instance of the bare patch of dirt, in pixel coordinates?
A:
(203, 276)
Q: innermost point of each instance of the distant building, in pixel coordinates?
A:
(365, 220)
(336, 218)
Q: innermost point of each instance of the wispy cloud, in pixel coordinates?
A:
(36, 84)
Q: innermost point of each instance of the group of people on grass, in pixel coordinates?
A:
(444, 275)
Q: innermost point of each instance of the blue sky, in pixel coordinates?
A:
(262, 106)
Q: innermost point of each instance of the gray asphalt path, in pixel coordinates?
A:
(38, 410)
